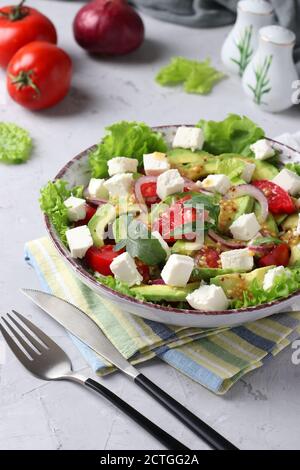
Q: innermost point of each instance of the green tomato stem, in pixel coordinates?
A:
(24, 79)
(16, 13)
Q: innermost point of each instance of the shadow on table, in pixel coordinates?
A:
(150, 51)
(76, 102)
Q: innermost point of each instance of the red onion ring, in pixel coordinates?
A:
(228, 243)
(138, 190)
(158, 282)
(96, 201)
(249, 190)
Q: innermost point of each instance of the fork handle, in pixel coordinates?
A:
(168, 441)
(199, 427)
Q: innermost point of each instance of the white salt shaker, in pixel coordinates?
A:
(269, 77)
(242, 41)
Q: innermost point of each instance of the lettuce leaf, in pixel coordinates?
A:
(232, 135)
(197, 77)
(52, 199)
(283, 286)
(118, 286)
(126, 139)
(15, 144)
(295, 167)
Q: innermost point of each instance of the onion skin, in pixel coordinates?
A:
(108, 27)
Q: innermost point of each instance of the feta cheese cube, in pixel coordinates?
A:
(245, 227)
(262, 149)
(169, 182)
(189, 138)
(119, 185)
(209, 298)
(76, 208)
(163, 243)
(79, 240)
(272, 274)
(177, 270)
(248, 171)
(216, 183)
(240, 259)
(288, 180)
(96, 189)
(155, 163)
(124, 269)
(120, 165)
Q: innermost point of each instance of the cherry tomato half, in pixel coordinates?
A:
(149, 194)
(279, 201)
(208, 257)
(99, 259)
(90, 211)
(279, 256)
(39, 75)
(173, 218)
(20, 25)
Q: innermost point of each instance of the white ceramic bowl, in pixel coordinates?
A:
(77, 172)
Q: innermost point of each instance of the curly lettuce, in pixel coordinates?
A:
(118, 286)
(232, 135)
(15, 144)
(196, 77)
(52, 197)
(126, 139)
(283, 285)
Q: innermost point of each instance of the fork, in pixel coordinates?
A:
(46, 360)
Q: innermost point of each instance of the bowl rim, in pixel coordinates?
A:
(78, 267)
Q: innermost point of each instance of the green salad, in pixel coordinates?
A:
(209, 221)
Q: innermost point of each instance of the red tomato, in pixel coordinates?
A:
(176, 216)
(279, 256)
(99, 259)
(20, 25)
(148, 191)
(208, 257)
(39, 75)
(143, 269)
(279, 201)
(90, 211)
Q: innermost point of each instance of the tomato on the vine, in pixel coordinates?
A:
(39, 75)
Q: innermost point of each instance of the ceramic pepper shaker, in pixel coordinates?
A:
(242, 41)
(269, 77)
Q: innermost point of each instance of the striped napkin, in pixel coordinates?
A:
(215, 358)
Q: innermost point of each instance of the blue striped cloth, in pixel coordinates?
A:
(215, 358)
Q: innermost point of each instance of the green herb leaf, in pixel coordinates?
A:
(197, 77)
(232, 135)
(129, 139)
(210, 203)
(52, 200)
(15, 144)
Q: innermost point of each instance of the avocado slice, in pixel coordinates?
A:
(158, 293)
(279, 218)
(264, 170)
(290, 222)
(183, 247)
(269, 226)
(205, 274)
(235, 284)
(231, 209)
(193, 165)
(295, 255)
(104, 215)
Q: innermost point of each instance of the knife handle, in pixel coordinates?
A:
(201, 429)
(168, 441)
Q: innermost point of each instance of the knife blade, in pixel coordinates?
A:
(84, 328)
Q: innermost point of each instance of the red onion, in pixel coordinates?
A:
(229, 243)
(96, 201)
(158, 282)
(249, 190)
(108, 27)
(138, 190)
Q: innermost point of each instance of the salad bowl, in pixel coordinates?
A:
(77, 172)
